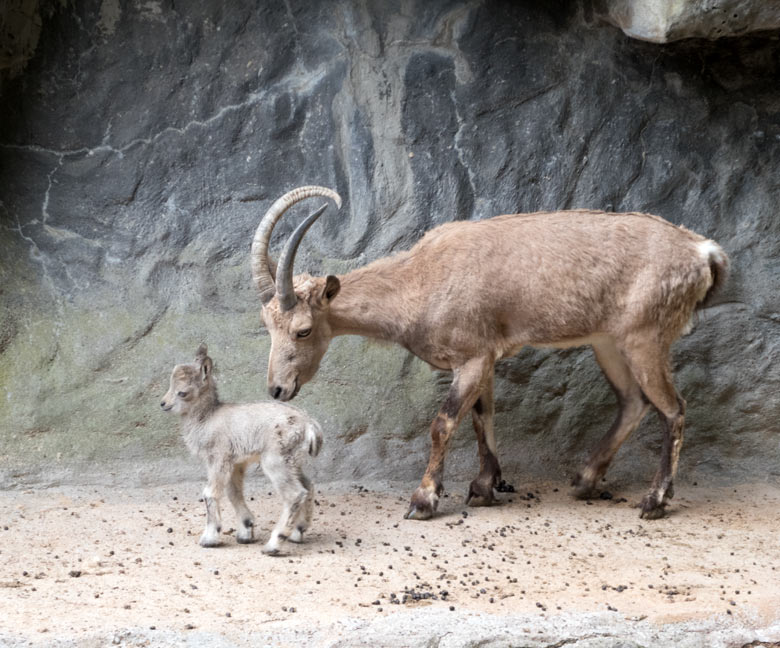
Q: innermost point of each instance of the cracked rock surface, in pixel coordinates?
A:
(141, 144)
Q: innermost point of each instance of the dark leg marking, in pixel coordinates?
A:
(649, 362)
(662, 489)
(481, 489)
(466, 387)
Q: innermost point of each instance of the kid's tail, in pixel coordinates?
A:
(313, 437)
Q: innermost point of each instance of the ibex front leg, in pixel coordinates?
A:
(218, 476)
(235, 491)
(467, 385)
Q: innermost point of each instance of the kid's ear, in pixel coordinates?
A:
(332, 287)
(202, 352)
(202, 359)
(205, 368)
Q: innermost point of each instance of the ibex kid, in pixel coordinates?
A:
(230, 437)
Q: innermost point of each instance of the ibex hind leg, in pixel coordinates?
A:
(293, 495)
(632, 408)
(303, 519)
(293, 502)
(482, 488)
(650, 366)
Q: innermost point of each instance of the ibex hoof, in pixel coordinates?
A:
(481, 494)
(652, 508)
(270, 550)
(423, 505)
(415, 513)
(479, 500)
(583, 488)
(241, 539)
(209, 541)
(584, 492)
(296, 536)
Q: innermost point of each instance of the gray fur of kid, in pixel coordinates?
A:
(229, 437)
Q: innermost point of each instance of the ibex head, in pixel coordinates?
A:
(294, 308)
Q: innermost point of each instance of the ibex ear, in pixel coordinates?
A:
(332, 287)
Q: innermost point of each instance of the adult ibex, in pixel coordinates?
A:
(472, 292)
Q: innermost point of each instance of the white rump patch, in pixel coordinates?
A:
(711, 250)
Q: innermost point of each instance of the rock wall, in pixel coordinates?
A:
(20, 28)
(142, 143)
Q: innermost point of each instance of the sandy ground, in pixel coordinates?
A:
(79, 562)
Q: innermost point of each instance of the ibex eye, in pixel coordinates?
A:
(304, 333)
(182, 394)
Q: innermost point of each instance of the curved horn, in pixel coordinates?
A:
(261, 273)
(284, 272)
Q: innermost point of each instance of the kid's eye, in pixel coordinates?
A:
(182, 394)
(304, 333)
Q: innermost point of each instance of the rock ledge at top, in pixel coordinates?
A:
(662, 21)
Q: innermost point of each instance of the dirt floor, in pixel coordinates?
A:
(78, 562)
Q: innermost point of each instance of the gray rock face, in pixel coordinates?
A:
(662, 21)
(142, 144)
(20, 28)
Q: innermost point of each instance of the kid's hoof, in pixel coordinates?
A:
(209, 542)
(270, 550)
(246, 534)
(423, 505)
(296, 536)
